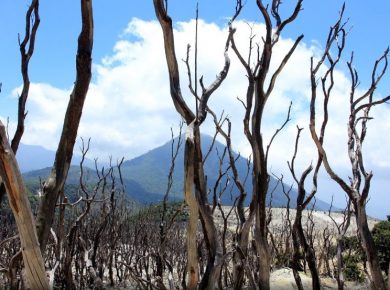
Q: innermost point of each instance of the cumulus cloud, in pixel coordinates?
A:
(128, 110)
(10, 126)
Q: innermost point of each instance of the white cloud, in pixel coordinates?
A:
(46, 110)
(128, 110)
(9, 125)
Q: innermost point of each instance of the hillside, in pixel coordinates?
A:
(145, 177)
(133, 190)
(33, 157)
(157, 162)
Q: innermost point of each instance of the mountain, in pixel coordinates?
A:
(35, 163)
(145, 177)
(133, 190)
(151, 170)
(33, 157)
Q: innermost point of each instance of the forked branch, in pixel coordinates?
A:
(26, 52)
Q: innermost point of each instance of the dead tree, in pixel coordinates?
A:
(241, 251)
(341, 232)
(164, 225)
(194, 173)
(12, 178)
(55, 182)
(83, 241)
(298, 234)
(358, 186)
(257, 94)
(286, 255)
(221, 187)
(29, 39)
(26, 51)
(388, 277)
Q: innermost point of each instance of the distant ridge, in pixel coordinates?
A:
(34, 157)
(156, 163)
(145, 177)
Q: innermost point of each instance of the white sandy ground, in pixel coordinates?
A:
(321, 219)
(283, 279)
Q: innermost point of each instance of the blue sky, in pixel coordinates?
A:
(60, 23)
(129, 98)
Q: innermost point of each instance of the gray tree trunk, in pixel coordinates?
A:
(56, 180)
(11, 177)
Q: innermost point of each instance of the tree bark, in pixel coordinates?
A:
(20, 205)
(213, 242)
(359, 183)
(358, 186)
(308, 250)
(260, 188)
(29, 39)
(340, 265)
(192, 263)
(299, 237)
(388, 277)
(260, 87)
(193, 121)
(56, 180)
(369, 247)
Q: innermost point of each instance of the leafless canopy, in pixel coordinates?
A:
(358, 186)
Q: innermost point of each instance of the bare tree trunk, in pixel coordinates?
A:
(241, 252)
(56, 180)
(257, 94)
(309, 256)
(31, 28)
(299, 237)
(26, 51)
(260, 188)
(342, 230)
(388, 277)
(340, 266)
(358, 186)
(194, 163)
(369, 247)
(244, 224)
(212, 239)
(192, 263)
(29, 39)
(264, 261)
(11, 177)
(296, 258)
